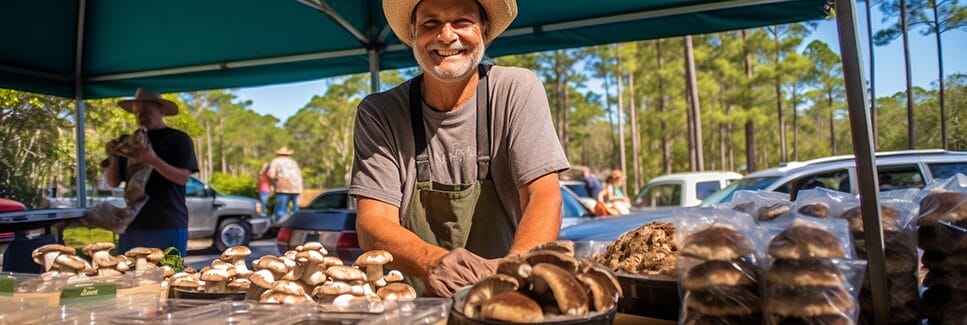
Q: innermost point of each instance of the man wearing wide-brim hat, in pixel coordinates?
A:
(286, 178)
(163, 221)
(457, 167)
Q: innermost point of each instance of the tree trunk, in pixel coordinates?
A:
(749, 126)
(911, 134)
(621, 124)
(694, 104)
(722, 147)
(208, 138)
(943, 112)
(869, 35)
(666, 159)
(784, 154)
(832, 124)
(795, 126)
(635, 140)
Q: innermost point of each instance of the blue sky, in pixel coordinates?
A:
(284, 100)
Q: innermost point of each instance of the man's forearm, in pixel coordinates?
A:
(378, 227)
(174, 174)
(541, 220)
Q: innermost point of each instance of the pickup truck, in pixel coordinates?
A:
(228, 219)
(681, 189)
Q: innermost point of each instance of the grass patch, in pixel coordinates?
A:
(78, 237)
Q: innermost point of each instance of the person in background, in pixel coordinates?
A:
(264, 187)
(457, 167)
(591, 183)
(163, 221)
(287, 179)
(612, 195)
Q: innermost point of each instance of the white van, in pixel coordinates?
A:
(681, 189)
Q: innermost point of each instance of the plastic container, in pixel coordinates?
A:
(655, 297)
(458, 318)
(199, 295)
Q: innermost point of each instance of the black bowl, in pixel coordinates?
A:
(187, 294)
(458, 318)
(655, 297)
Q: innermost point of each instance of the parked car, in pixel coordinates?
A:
(580, 190)
(229, 220)
(331, 220)
(896, 170)
(681, 189)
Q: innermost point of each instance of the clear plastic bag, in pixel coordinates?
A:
(812, 291)
(761, 205)
(822, 203)
(719, 268)
(942, 234)
(807, 237)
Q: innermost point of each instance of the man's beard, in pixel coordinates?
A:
(422, 57)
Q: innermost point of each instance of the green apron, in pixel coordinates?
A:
(457, 215)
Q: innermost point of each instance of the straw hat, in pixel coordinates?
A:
(147, 95)
(399, 15)
(616, 175)
(284, 151)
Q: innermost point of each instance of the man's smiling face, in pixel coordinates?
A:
(448, 40)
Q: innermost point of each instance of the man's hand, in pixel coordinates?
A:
(111, 147)
(146, 156)
(457, 269)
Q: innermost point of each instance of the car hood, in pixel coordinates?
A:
(610, 228)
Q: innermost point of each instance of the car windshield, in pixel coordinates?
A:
(750, 184)
(578, 189)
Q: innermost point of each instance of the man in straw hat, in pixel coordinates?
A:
(163, 221)
(457, 167)
(286, 177)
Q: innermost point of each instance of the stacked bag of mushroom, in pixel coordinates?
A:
(942, 234)
(305, 274)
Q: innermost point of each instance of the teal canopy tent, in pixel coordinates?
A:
(87, 49)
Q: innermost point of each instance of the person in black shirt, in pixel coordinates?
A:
(163, 221)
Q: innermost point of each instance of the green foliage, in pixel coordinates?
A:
(243, 185)
(173, 259)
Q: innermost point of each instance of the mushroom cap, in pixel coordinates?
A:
(332, 260)
(289, 288)
(818, 210)
(71, 261)
(239, 284)
(332, 289)
(718, 242)
(155, 255)
(185, 282)
(271, 263)
(103, 259)
(395, 291)
(565, 247)
(889, 219)
(168, 271)
(567, 291)
(602, 296)
(263, 279)
(486, 289)
(38, 254)
(802, 241)
(374, 257)
(236, 252)
(312, 256)
(940, 206)
(138, 251)
(108, 271)
(512, 307)
(345, 273)
(214, 275)
(552, 257)
(316, 246)
(89, 249)
(594, 268)
(515, 266)
(393, 276)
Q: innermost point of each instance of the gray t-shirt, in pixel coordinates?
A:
(524, 145)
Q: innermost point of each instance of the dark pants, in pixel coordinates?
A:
(162, 239)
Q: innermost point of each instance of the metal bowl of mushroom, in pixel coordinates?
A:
(547, 285)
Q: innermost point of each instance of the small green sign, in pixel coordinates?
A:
(91, 292)
(7, 283)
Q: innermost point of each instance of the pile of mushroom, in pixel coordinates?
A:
(60, 260)
(227, 273)
(545, 284)
(307, 274)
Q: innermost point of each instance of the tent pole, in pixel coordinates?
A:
(373, 71)
(859, 120)
(79, 97)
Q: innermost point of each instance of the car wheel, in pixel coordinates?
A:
(232, 232)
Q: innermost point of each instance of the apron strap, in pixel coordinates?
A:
(483, 123)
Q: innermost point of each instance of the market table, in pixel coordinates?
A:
(628, 319)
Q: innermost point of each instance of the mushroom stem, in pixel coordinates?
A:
(49, 258)
(374, 272)
(141, 263)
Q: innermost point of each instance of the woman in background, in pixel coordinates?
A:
(612, 196)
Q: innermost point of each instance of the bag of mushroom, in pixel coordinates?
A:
(718, 267)
(942, 234)
(546, 285)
